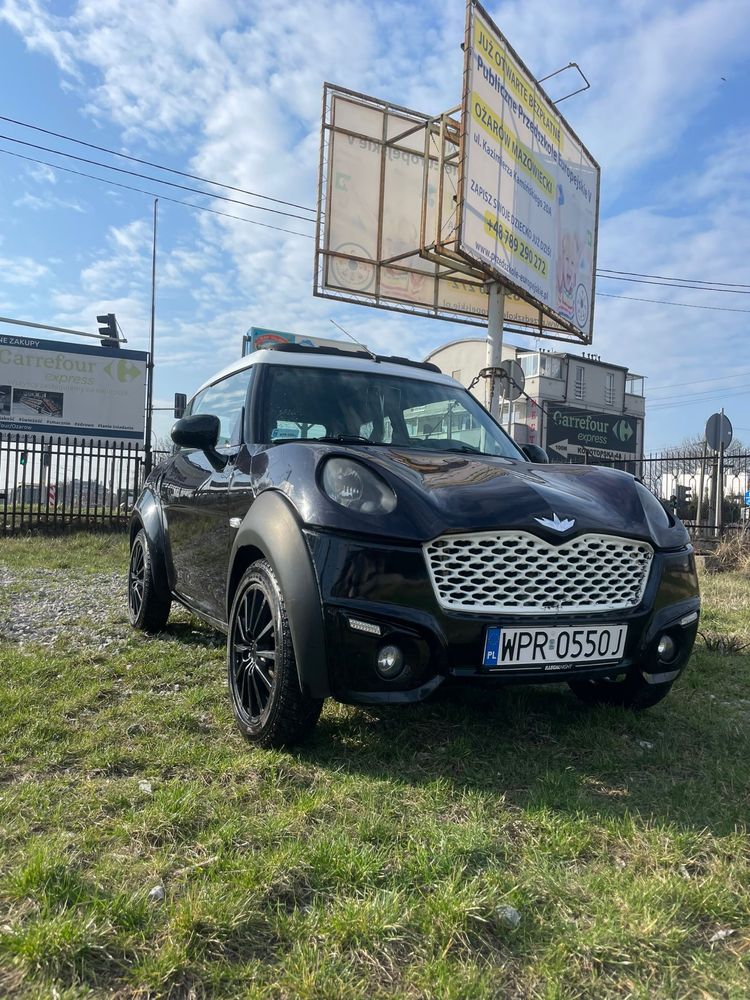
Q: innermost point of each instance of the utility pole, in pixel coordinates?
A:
(148, 457)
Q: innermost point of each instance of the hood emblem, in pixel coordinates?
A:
(555, 523)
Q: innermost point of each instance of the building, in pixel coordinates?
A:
(577, 407)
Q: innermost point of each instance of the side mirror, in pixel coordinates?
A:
(201, 430)
(534, 453)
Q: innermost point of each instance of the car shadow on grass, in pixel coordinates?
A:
(538, 747)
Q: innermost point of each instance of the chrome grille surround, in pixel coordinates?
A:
(515, 572)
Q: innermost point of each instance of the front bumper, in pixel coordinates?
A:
(387, 587)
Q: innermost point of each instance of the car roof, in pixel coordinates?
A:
(340, 361)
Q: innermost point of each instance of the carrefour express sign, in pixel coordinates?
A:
(71, 390)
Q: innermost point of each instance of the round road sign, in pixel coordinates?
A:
(718, 431)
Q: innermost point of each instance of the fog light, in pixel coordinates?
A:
(390, 662)
(667, 649)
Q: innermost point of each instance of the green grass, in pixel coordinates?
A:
(376, 861)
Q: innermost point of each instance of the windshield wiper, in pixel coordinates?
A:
(462, 446)
(339, 439)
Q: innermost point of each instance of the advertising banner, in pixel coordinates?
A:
(576, 432)
(258, 337)
(371, 192)
(530, 189)
(71, 390)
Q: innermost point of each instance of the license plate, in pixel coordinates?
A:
(529, 647)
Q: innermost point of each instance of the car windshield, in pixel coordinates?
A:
(313, 404)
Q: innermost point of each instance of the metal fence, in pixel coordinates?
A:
(709, 499)
(48, 481)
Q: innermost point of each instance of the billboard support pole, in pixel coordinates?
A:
(495, 315)
(148, 457)
(720, 483)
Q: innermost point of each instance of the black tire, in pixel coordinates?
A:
(268, 705)
(148, 606)
(629, 691)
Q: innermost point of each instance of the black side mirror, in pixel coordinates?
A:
(201, 430)
(534, 453)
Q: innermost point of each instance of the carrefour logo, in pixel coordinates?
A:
(122, 371)
(623, 430)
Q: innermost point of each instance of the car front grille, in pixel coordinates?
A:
(515, 572)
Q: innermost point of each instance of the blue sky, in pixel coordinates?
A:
(231, 89)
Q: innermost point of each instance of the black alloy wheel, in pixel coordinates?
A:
(268, 705)
(148, 606)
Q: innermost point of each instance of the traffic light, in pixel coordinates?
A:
(108, 330)
(22, 456)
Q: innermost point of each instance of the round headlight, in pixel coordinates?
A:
(355, 486)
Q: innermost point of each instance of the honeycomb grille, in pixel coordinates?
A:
(514, 572)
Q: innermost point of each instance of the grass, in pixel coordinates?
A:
(379, 860)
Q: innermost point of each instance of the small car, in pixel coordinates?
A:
(361, 528)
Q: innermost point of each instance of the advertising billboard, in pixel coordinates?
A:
(371, 196)
(71, 390)
(529, 188)
(258, 337)
(579, 433)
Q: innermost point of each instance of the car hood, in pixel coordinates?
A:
(456, 492)
(450, 493)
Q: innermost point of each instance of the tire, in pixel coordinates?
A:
(268, 705)
(148, 606)
(630, 691)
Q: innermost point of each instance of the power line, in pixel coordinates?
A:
(666, 302)
(153, 194)
(697, 381)
(156, 166)
(697, 398)
(155, 180)
(674, 284)
(695, 281)
(613, 273)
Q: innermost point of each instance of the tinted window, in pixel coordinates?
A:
(312, 403)
(226, 400)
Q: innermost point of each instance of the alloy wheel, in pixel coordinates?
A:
(136, 579)
(254, 654)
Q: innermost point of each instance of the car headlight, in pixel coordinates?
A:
(355, 486)
(652, 508)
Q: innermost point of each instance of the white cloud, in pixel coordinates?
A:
(21, 271)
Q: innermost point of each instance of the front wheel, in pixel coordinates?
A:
(631, 690)
(148, 606)
(268, 705)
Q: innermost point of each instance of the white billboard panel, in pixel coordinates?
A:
(371, 192)
(530, 189)
(71, 390)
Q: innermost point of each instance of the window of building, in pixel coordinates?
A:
(579, 387)
(609, 389)
(529, 365)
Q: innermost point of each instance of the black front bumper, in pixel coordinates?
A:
(388, 587)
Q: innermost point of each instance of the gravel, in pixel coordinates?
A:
(45, 606)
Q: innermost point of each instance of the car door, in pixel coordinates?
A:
(195, 499)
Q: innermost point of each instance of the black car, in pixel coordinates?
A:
(361, 528)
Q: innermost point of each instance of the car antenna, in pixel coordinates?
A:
(362, 346)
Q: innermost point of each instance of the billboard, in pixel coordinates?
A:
(529, 188)
(258, 337)
(71, 390)
(573, 432)
(372, 187)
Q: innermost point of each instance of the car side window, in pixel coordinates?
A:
(226, 400)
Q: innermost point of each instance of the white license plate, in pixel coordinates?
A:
(528, 647)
